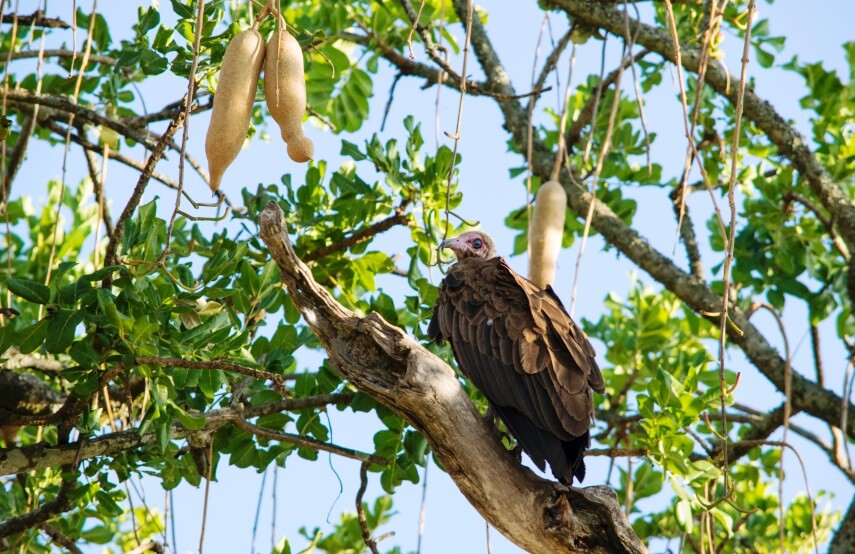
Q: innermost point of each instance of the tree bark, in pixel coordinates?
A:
(379, 359)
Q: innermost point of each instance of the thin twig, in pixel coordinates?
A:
(430, 47)
(191, 92)
(731, 241)
(308, 442)
(585, 116)
(63, 104)
(456, 136)
(422, 510)
(782, 444)
(136, 195)
(792, 196)
(260, 374)
(360, 236)
(601, 160)
(207, 481)
(57, 53)
(788, 384)
(360, 509)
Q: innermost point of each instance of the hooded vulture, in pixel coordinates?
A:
(520, 347)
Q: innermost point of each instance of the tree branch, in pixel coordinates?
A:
(60, 538)
(36, 19)
(789, 142)
(136, 195)
(60, 503)
(382, 361)
(56, 53)
(260, 374)
(41, 455)
(308, 442)
(63, 104)
(360, 236)
(844, 538)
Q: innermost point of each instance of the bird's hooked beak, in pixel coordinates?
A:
(456, 245)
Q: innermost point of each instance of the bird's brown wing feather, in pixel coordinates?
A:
(518, 346)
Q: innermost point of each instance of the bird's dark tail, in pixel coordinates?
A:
(574, 452)
(565, 458)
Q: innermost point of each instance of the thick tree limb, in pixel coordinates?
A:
(789, 142)
(25, 394)
(379, 359)
(844, 538)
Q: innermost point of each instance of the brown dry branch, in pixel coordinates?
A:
(136, 195)
(56, 53)
(430, 47)
(14, 359)
(308, 442)
(380, 360)
(260, 374)
(42, 455)
(360, 509)
(63, 104)
(60, 538)
(360, 236)
(36, 19)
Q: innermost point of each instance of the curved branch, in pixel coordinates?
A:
(63, 104)
(40, 456)
(379, 359)
(57, 53)
(789, 142)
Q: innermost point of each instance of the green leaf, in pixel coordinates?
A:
(7, 335)
(128, 58)
(684, 515)
(153, 63)
(182, 9)
(61, 329)
(282, 547)
(352, 151)
(29, 290)
(108, 505)
(147, 20)
(30, 338)
(189, 421)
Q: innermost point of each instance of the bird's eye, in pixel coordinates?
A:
(477, 244)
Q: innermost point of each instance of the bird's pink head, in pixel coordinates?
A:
(472, 244)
